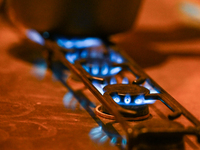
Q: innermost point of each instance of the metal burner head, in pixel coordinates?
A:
(129, 97)
(127, 94)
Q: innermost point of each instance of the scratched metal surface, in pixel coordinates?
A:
(32, 112)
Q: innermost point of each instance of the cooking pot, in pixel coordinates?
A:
(75, 17)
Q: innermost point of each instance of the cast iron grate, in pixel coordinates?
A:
(124, 91)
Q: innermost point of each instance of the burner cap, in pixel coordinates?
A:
(129, 97)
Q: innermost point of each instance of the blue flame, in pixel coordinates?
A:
(115, 70)
(95, 69)
(149, 101)
(115, 57)
(139, 100)
(95, 54)
(116, 98)
(127, 99)
(67, 99)
(84, 54)
(98, 86)
(105, 69)
(86, 68)
(125, 81)
(150, 88)
(104, 84)
(113, 80)
(68, 44)
(35, 36)
(78, 43)
(97, 134)
(65, 43)
(89, 42)
(71, 57)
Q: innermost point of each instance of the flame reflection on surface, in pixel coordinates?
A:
(98, 135)
(39, 69)
(70, 101)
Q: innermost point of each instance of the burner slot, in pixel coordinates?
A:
(128, 97)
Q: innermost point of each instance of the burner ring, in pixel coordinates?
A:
(99, 112)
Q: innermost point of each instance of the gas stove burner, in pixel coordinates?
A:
(128, 96)
(124, 92)
(101, 134)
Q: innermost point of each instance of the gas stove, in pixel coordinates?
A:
(132, 110)
(109, 102)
